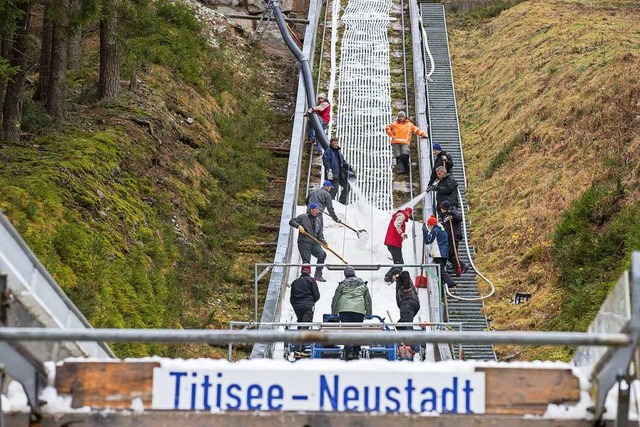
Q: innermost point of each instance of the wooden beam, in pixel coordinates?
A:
(513, 391)
(106, 384)
(509, 391)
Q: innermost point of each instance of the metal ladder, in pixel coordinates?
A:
(445, 130)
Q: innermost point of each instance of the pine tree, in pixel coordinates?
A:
(109, 83)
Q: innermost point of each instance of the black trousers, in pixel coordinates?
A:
(442, 262)
(304, 315)
(350, 316)
(396, 255)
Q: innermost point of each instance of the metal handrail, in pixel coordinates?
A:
(225, 336)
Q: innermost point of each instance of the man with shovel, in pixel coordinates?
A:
(452, 221)
(322, 198)
(311, 239)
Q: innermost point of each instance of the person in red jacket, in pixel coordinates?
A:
(323, 110)
(395, 237)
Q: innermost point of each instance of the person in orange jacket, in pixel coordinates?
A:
(401, 132)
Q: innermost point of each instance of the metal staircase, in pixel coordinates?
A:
(445, 129)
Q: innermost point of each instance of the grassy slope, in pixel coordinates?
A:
(549, 94)
(137, 213)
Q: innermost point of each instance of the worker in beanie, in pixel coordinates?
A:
(337, 170)
(304, 295)
(452, 223)
(441, 158)
(323, 110)
(396, 235)
(406, 298)
(322, 197)
(351, 302)
(401, 132)
(438, 247)
(310, 227)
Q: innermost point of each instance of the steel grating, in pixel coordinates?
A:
(364, 99)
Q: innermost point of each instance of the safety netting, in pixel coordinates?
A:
(364, 99)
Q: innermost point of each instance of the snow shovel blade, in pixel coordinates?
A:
(363, 236)
(421, 282)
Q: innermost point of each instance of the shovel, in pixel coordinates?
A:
(322, 244)
(421, 279)
(358, 232)
(455, 250)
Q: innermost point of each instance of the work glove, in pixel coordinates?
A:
(310, 110)
(330, 175)
(325, 245)
(301, 229)
(404, 236)
(447, 218)
(338, 220)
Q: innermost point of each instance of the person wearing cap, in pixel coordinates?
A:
(337, 170)
(442, 158)
(322, 109)
(401, 131)
(351, 301)
(322, 198)
(452, 223)
(304, 295)
(437, 243)
(396, 235)
(446, 189)
(310, 225)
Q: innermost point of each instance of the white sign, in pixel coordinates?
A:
(318, 390)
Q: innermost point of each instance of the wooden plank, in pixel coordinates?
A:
(509, 391)
(106, 384)
(513, 391)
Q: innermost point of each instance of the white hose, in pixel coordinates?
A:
(466, 245)
(425, 47)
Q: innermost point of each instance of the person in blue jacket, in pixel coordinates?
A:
(437, 241)
(337, 170)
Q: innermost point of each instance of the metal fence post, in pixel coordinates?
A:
(614, 365)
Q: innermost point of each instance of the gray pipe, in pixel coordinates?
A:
(305, 68)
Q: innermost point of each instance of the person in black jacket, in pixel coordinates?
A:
(304, 295)
(406, 297)
(337, 170)
(310, 225)
(446, 188)
(452, 223)
(442, 158)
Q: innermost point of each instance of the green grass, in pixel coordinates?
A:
(592, 246)
(142, 233)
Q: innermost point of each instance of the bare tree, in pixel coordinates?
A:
(57, 94)
(12, 107)
(44, 67)
(109, 83)
(75, 35)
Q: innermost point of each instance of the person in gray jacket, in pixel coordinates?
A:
(351, 302)
(310, 225)
(322, 197)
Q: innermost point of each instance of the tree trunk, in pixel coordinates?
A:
(75, 38)
(5, 48)
(44, 68)
(57, 94)
(12, 110)
(109, 83)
